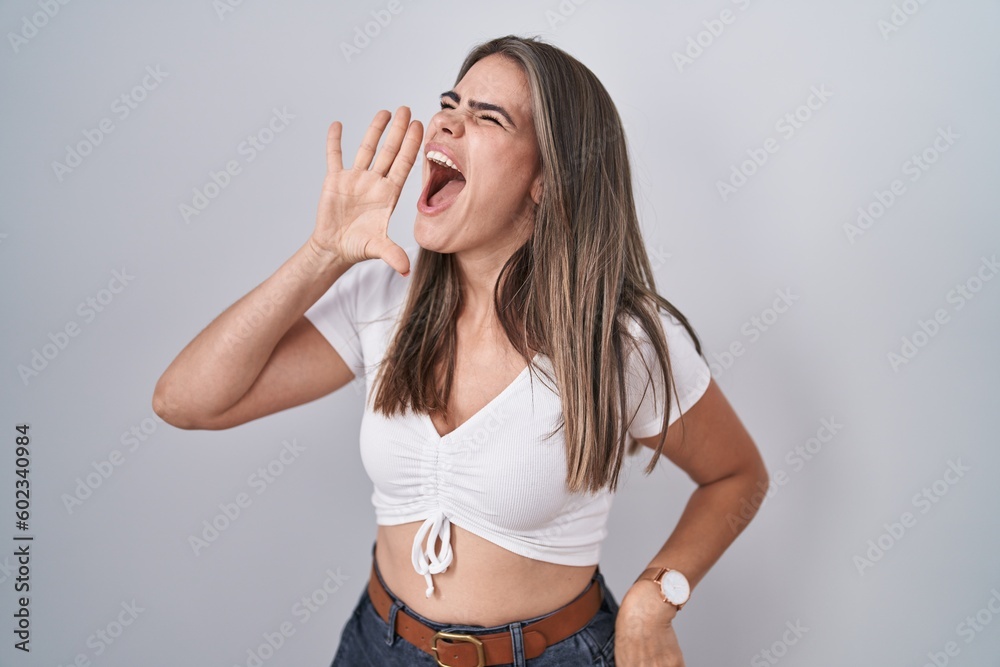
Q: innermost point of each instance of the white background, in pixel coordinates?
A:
(721, 261)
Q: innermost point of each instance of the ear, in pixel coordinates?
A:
(536, 189)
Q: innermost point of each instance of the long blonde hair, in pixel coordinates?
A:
(573, 306)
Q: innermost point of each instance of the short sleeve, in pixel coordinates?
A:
(335, 315)
(691, 377)
(353, 315)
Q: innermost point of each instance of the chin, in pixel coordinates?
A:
(426, 236)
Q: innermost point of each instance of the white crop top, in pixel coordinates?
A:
(494, 475)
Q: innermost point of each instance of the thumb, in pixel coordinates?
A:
(395, 257)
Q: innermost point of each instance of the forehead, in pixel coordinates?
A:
(498, 80)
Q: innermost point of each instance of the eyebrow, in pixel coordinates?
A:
(485, 106)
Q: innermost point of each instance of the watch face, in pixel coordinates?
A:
(675, 587)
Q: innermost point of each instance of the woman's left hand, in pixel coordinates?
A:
(644, 631)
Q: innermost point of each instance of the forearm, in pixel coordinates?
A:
(220, 364)
(712, 519)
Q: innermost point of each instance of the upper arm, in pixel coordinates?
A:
(321, 352)
(304, 366)
(709, 442)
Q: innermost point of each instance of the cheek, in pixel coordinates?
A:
(507, 180)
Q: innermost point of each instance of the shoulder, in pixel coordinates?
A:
(673, 329)
(687, 364)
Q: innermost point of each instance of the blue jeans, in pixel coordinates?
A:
(367, 641)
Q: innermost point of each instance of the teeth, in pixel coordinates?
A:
(441, 158)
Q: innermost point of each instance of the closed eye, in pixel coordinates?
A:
(445, 105)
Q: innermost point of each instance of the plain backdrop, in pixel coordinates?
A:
(843, 285)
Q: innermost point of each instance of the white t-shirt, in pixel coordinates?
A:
(495, 475)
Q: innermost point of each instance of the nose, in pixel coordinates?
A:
(450, 122)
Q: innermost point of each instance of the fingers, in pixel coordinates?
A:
(407, 155)
(389, 149)
(333, 157)
(363, 159)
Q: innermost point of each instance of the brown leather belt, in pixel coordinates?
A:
(455, 649)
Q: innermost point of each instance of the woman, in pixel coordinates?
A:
(491, 491)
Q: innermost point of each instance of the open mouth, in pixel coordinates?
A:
(442, 187)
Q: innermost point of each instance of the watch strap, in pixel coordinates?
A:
(652, 573)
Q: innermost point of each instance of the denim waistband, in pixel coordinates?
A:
(597, 579)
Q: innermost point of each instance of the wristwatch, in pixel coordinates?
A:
(673, 585)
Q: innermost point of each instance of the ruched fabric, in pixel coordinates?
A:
(501, 473)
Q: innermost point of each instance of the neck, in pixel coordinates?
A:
(478, 274)
(478, 278)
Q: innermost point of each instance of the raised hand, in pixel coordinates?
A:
(355, 204)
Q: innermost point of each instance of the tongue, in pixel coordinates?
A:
(447, 193)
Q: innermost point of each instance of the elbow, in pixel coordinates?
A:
(755, 488)
(759, 476)
(166, 409)
(763, 478)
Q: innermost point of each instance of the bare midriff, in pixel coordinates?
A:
(485, 584)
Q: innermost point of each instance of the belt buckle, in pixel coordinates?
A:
(455, 636)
